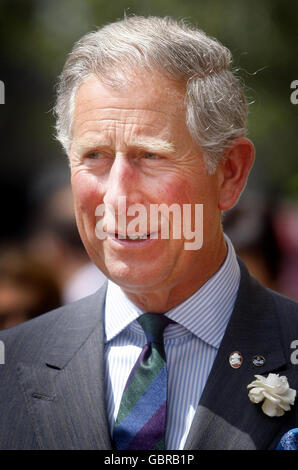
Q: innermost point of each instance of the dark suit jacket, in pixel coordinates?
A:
(52, 383)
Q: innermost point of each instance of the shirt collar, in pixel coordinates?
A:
(205, 314)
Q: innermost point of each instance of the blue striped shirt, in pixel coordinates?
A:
(191, 345)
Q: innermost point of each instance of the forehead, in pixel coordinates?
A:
(148, 93)
(148, 106)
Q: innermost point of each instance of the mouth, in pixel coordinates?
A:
(133, 239)
(119, 236)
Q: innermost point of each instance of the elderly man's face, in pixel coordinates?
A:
(133, 142)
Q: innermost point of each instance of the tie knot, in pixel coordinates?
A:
(153, 325)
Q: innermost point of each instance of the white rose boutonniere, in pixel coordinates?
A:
(275, 392)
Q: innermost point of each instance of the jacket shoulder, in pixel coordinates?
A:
(27, 339)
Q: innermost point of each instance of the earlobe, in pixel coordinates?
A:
(234, 170)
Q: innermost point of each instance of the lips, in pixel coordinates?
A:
(133, 239)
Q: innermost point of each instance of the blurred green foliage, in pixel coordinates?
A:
(36, 36)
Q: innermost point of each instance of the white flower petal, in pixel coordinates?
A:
(257, 390)
(284, 406)
(261, 378)
(271, 410)
(255, 383)
(271, 397)
(255, 397)
(291, 395)
(273, 380)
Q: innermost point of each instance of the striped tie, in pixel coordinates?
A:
(141, 420)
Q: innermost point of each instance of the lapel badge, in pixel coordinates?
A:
(235, 359)
(258, 360)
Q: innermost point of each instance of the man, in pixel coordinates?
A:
(150, 113)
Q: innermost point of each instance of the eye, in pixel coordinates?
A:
(94, 155)
(151, 156)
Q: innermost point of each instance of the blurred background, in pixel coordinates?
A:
(42, 261)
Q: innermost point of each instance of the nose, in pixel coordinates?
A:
(123, 181)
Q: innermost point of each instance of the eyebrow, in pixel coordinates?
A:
(154, 144)
(142, 143)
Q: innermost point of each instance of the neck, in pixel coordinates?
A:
(161, 300)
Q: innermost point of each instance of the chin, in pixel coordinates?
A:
(133, 279)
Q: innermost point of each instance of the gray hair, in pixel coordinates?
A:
(216, 109)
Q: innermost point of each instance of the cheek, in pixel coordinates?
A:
(171, 189)
(180, 191)
(86, 192)
(194, 190)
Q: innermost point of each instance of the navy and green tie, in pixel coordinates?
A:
(141, 420)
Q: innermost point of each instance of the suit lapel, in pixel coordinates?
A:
(64, 391)
(225, 418)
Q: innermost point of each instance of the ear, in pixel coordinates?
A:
(233, 171)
